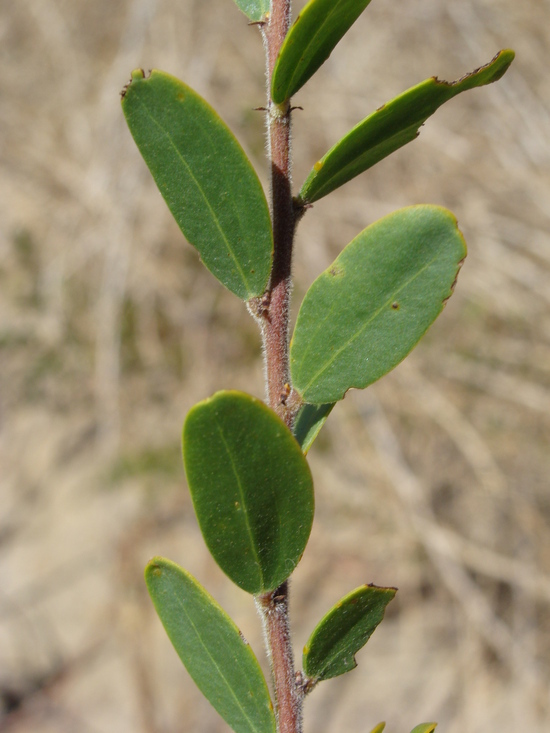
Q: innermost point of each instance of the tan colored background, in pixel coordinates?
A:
(434, 480)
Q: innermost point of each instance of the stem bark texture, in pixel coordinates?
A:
(273, 607)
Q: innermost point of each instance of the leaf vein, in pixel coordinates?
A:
(202, 193)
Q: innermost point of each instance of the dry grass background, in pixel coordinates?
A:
(434, 480)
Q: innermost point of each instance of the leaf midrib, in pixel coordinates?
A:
(311, 42)
(212, 659)
(243, 504)
(201, 191)
(363, 328)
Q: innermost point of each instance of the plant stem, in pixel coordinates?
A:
(289, 694)
(274, 318)
(276, 315)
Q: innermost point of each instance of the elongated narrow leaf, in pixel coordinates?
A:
(251, 488)
(309, 421)
(211, 647)
(310, 41)
(344, 630)
(205, 177)
(255, 9)
(363, 315)
(424, 728)
(390, 127)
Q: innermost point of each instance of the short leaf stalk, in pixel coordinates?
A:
(244, 459)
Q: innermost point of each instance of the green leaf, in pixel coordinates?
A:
(310, 41)
(205, 177)
(251, 488)
(363, 315)
(216, 655)
(378, 728)
(344, 630)
(309, 421)
(390, 127)
(255, 10)
(424, 728)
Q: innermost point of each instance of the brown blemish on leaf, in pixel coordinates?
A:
(454, 282)
(336, 271)
(395, 306)
(498, 74)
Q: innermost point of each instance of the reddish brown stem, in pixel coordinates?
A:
(273, 312)
(275, 319)
(289, 694)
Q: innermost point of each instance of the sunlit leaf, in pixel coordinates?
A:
(255, 9)
(378, 728)
(310, 41)
(363, 315)
(424, 728)
(390, 127)
(211, 647)
(251, 488)
(205, 178)
(344, 630)
(309, 421)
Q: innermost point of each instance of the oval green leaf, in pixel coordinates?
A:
(424, 728)
(310, 41)
(345, 630)
(363, 315)
(251, 488)
(255, 10)
(205, 178)
(390, 127)
(309, 421)
(216, 655)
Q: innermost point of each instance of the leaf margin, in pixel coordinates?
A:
(303, 31)
(332, 273)
(299, 532)
(315, 187)
(330, 622)
(227, 219)
(242, 652)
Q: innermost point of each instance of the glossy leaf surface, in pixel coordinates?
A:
(251, 488)
(254, 9)
(310, 41)
(390, 127)
(363, 315)
(217, 657)
(309, 421)
(205, 178)
(344, 630)
(424, 728)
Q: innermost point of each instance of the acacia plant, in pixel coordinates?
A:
(245, 459)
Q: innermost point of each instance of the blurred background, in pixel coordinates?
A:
(435, 480)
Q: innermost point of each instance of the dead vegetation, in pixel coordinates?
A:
(434, 480)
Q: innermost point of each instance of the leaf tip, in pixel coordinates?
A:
(424, 728)
(154, 568)
(507, 55)
(136, 75)
(379, 728)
